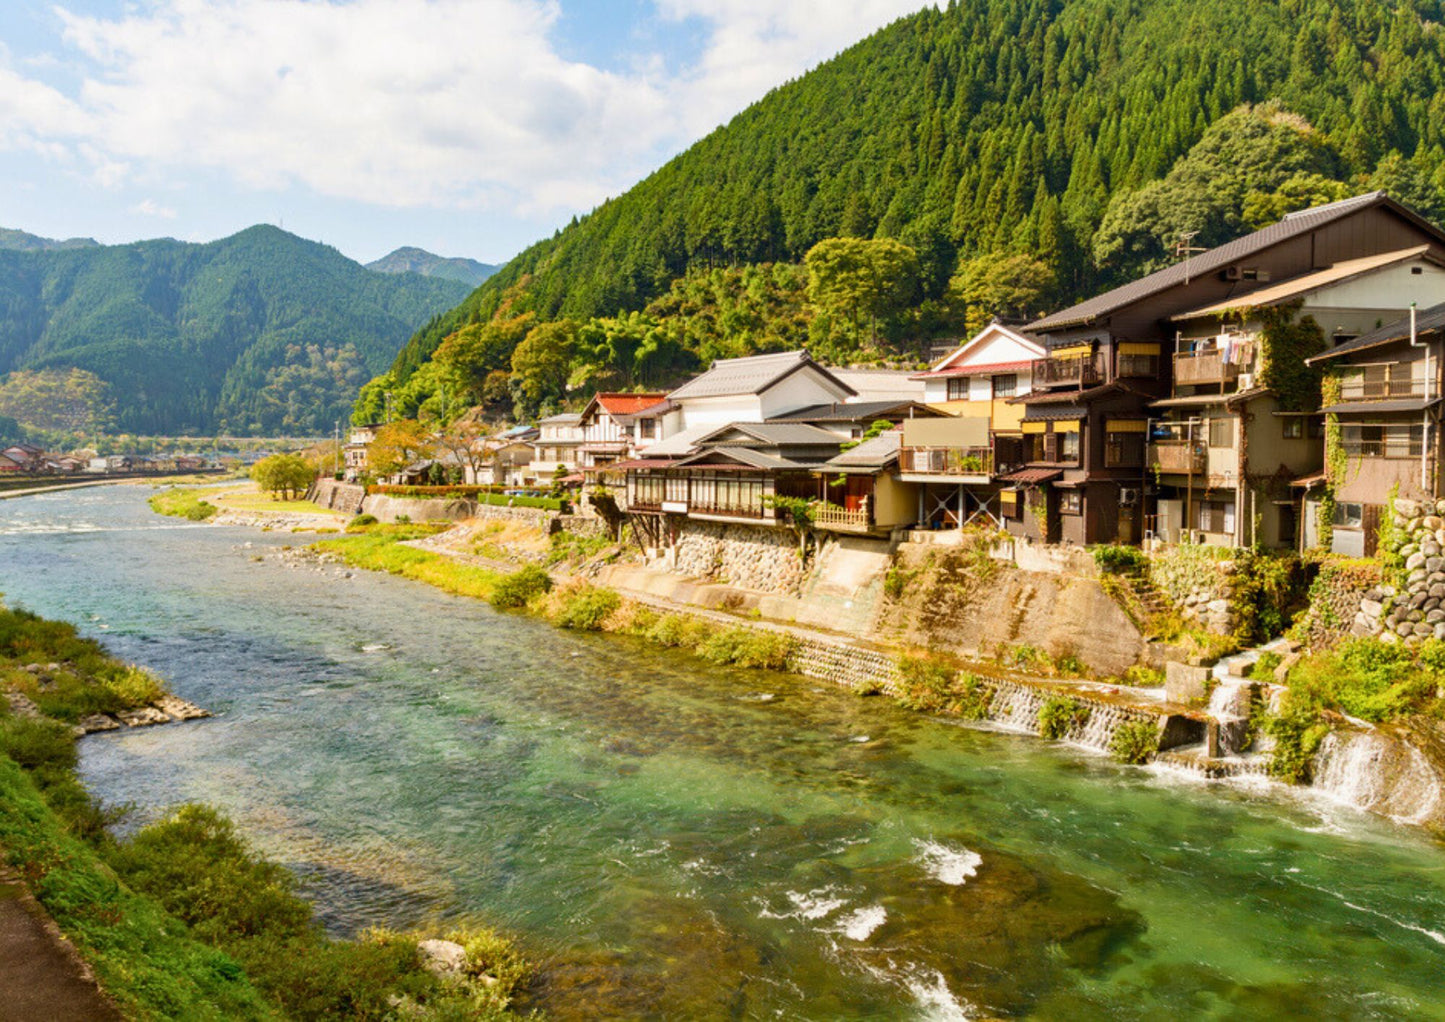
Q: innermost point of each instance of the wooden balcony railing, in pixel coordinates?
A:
(946, 461)
(1192, 368)
(1080, 370)
(831, 516)
(1186, 456)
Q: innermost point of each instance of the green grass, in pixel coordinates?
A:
(383, 551)
(187, 504)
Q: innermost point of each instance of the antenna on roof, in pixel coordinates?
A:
(1183, 249)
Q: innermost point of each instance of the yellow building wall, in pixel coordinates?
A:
(894, 502)
(963, 409)
(1006, 417)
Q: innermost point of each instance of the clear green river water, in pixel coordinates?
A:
(675, 841)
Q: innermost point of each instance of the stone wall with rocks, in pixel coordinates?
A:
(1412, 606)
(1196, 579)
(580, 525)
(414, 509)
(756, 557)
(1336, 597)
(338, 496)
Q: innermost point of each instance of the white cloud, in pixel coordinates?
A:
(149, 207)
(446, 103)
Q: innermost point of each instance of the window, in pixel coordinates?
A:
(1005, 385)
(1383, 441)
(1071, 502)
(1216, 516)
(1294, 428)
(958, 389)
(646, 429)
(1221, 432)
(1138, 365)
(1068, 446)
(1349, 516)
(1123, 450)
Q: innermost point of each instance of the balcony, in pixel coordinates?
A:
(842, 519)
(1187, 457)
(1382, 383)
(1077, 370)
(1203, 367)
(946, 462)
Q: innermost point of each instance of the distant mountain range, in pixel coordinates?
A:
(259, 333)
(417, 260)
(19, 241)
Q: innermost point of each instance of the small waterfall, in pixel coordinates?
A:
(1229, 704)
(1016, 706)
(1382, 773)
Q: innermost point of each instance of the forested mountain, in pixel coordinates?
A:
(261, 332)
(418, 260)
(1076, 133)
(22, 242)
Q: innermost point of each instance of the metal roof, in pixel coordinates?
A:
(791, 434)
(746, 456)
(857, 411)
(1031, 475)
(562, 419)
(1291, 226)
(1426, 321)
(751, 375)
(1191, 401)
(1413, 404)
(1295, 286)
(679, 444)
(870, 456)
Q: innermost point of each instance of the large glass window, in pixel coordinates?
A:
(958, 388)
(1005, 385)
(1215, 516)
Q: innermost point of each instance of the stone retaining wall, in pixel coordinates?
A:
(389, 509)
(1197, 581)
(843, 665)
(1414, 610)
(581, 525)
(338, 496)
(757, 557)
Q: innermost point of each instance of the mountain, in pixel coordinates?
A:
(998, 127)
(259, 333)
(21, 242)
(419, 260)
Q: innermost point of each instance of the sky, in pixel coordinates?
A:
(466, 127)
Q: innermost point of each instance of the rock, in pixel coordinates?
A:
(1434, 616)
(1372, 608)
(179, 709)
(143, 717)
(443, 958)
(1415, 560)
(89, 725)
(22, 705)
(1407, 508)
(1432, 522)
(1217, 607)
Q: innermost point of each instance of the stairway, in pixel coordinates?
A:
(1141, 598)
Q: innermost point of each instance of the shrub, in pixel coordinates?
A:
(924, 683)
(1135, 741)
(1370, 679)
(974, 696)
(361, 522)
(748, 647)
(682, 631)
(518, 588)
(1263, 668)
(1059, 715)
(897, 581)
(185, 504)
(585, 608)
(1142, 676)
(1263, 590)
(133, 686)
(1120, 559)
(1297, 731)
(37, 744)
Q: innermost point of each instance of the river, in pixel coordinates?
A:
(672, 840)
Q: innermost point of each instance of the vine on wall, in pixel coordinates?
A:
(1284, 346)
(1335, 461)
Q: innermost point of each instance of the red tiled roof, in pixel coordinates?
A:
(629, 404)
(987, 369)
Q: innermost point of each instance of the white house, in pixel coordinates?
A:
(756, 389)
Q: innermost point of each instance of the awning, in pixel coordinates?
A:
(1192, 401)
(1138, 348)
(1031, 476)
(1413, 404)
(1125, 426)
(1305, 482)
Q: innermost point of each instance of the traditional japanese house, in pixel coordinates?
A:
(861, 491)
(1111, 358)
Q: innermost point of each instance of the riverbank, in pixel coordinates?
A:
(179, 919)
(243, 504)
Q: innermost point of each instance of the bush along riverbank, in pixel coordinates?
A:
(182, 503)
(181, 919)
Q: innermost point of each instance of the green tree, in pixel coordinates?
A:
(284, 474)
(397, 445)
(540, 367)
(999, 285)
(862, 279)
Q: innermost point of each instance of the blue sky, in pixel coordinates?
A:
(468, 127)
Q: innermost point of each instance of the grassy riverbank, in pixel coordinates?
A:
(199, 505)
(181, 919)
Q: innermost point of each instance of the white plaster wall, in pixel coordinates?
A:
(803, 388)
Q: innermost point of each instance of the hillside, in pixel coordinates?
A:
(419, 260)
(20, 241)
(262, 332)
(1007, 126)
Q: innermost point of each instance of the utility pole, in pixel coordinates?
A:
(336, 452)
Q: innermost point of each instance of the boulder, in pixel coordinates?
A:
(443, 958)
(1372, 608)
(1407, 508)
(1415, 560)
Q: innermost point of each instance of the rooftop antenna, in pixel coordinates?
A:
(1185, 249)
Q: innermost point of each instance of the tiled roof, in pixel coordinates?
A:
(1054, 397)
(679, 444)
(564, 419)
(1031, 475)
(752, 375)
(987, 369)
(869, 456)
(1426, 320)
(1291, 226)
(628, 404)
(792, 434)
(857, 411)
(746, 456)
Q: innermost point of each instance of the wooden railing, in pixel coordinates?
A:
(1203, 367)
(1382, 382)
(835, 517)
(1082, 370)
(946, 461)
(1186, 456)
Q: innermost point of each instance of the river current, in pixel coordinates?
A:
(671, 840)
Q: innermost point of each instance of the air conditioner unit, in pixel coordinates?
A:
(1246, 380)
(1128, 496)
(1233, 273)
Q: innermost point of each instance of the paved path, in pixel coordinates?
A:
(42, 978)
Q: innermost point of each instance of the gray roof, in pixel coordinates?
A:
(1404, 404)
(747, 456)
(1426, 320)
(679, 444)
(563, 419)
(857, 411)
(870, 456)
(790, 434)
(751, 375)
(1291, 226)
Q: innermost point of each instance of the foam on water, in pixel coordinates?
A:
(948, 865)
(930, 990)
(860, 923)
(814, 905)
